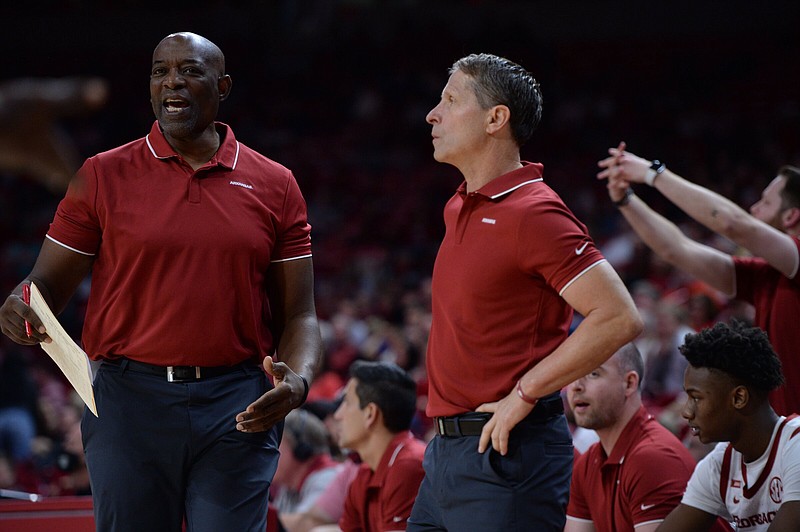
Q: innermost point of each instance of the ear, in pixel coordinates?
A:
(371, 415)
(498, 117)
(224, 85)
(790, 217)
(631, 383)
(740, 397)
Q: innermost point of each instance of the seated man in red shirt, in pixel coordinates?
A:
(635, 475)
(375, 417)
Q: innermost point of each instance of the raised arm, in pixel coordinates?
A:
(670, 243)
(714, 211)
(610, 321)
(57, 273)
(290, 286)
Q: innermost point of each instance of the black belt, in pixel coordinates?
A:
(176, 373)
(471, 423)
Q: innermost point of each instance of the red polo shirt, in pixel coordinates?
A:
(382, 500)
(776, 299)
(508, 252)
(181, 255)
(641, 482)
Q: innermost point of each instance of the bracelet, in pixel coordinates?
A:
(656, 169)
(625, 199)
(529, 400)
(305, 392)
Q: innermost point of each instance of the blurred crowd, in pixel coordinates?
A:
(345, 111)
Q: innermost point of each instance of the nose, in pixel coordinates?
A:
(433, 116)
(173, 78)
(688, 409)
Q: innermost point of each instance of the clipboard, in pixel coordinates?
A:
(68, 356)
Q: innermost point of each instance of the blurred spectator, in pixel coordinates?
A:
(305, 467)
(664, 365)
(375, 416)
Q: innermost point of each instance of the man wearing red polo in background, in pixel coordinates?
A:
(375, 420)
(513, 265)
(636, 474)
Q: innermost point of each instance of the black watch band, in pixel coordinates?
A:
(625, 199)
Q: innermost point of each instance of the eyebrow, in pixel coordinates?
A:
(183, 62)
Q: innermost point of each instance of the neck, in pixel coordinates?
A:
(609, 435)
(373, 448)
(756, 433)
(497, 160)
(197, 151)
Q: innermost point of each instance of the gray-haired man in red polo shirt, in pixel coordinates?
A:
(513, 265)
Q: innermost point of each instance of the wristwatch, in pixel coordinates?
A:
(625, 199)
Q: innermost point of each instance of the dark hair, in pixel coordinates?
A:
(630, 359)
(390, 388)
(790, 195)
(498, 81)
(309, 434)
(741, 351)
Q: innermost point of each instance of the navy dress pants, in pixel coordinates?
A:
(161, 452)
(528, 489)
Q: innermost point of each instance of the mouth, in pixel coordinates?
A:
(175, 105)
(694, 430)
(579, 407)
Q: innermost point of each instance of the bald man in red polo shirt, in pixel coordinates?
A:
(513, 265)
(200, 257)
(636, 474)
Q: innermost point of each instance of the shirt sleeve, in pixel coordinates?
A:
(702, 492)
(791, 464)
(554, 244)
(294, 238)
(651, 497)
(76, 224)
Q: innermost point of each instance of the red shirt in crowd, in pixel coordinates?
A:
(382, 500)
(640, 482)
(776, 299)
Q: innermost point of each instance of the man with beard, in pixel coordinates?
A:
(767, 280)
(635, 475)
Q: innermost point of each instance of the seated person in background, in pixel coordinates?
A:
(305, 467)
(375, 420)
(329, 506)
(635, 475)
(752, 477)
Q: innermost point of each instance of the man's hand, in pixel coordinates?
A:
(507, 413)
(273, 406)
(13, 315)
(622, 168)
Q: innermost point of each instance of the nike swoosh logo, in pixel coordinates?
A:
(579, 250)
(398, 519)
(647, 506)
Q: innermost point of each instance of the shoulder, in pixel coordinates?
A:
(121, 152)
(250, 158)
